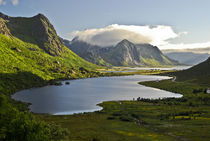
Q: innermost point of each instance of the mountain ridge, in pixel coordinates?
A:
(125, 53)
(37, 30)
(188, 58)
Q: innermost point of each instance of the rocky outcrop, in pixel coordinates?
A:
(3, 28)
(37, 30)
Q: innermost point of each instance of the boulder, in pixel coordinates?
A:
(17, 49)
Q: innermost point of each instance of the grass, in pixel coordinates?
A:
(98, 126)
(121, 72)
(198, 74)
(18, 56)
(138, 120)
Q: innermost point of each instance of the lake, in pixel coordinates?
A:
(83, 95)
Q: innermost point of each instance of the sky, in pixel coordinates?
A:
(167, 24)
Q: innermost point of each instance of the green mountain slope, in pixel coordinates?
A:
(32, 45)
(197, 74)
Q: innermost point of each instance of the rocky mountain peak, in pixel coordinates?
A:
(124, 42)
(3, 28)
(125, 53)
(38, 30)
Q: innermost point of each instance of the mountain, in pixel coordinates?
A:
(87, 51)
(198, 74)
(32, 45)
(188, 58)
(37, 30)
(125, 53)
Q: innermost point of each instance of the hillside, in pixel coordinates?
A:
(188, 58)
(125, 53)
(197, 74)
(32, 45)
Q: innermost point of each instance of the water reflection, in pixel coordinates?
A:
(82, 95)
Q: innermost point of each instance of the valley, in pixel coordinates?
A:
(55, 89)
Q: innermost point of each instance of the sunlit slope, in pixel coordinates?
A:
(30, 50)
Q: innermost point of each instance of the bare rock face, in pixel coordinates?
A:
(37, 30)
(123, 54)
(3, 28)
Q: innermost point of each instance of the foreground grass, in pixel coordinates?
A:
(102, 127)
(186, 118)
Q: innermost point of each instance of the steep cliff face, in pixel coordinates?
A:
(125, 53)
(37, 30)
(3, 28)
(91, 53)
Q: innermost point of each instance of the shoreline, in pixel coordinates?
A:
(98, 104)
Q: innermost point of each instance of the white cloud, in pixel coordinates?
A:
(111, 35)
(157, 35)
(2, 2)
(185, 46)
(15, 2)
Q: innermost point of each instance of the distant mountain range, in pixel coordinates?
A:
(188, 58)
(193, 50)
(125, 53)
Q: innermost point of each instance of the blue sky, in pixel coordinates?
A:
(191, 16)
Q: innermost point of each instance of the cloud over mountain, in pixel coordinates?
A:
(186, 46)
(159, 35)
(112, 34)
(2, 2)
(15, 2)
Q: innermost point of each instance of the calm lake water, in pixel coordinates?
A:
(83, 95)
